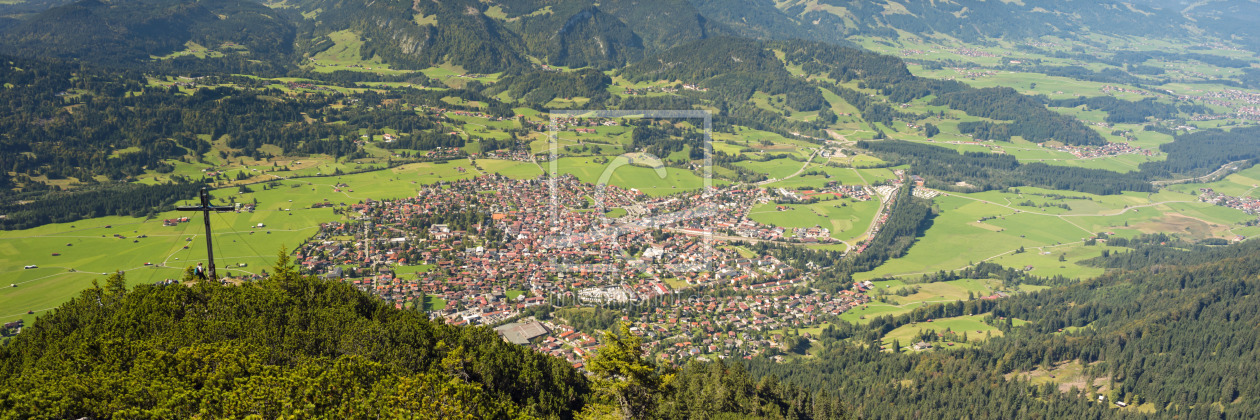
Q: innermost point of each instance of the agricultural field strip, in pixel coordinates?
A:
(217, 231)
(1061, 216)
(883, 204)
(1035, 149)
(1100, 214)
(52, 275)
(919, 273)
(874, 222)
(844, 137)
(14, 316)
(798, 172)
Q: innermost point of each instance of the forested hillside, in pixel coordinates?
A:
(131, 31)
(301, 346)
(1030, 118)
(1174, 333)
(987, 171)
(1205, 151)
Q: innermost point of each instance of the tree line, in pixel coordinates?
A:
(135, 200)
(943, 168)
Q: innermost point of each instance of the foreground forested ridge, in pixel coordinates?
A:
(293, 345)
(286, 346)
(1176, 336)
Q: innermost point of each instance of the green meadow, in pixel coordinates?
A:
(87, 250)
(940, 292)
(846, 218)
(929, 293)
(776, 168)
(346, 55)
(647, 180)
(972, 325)
(865, 313)
(959, 237)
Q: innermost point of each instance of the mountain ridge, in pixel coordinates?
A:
(489, 36)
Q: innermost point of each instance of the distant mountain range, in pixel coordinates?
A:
(133, 30)
(494, 35)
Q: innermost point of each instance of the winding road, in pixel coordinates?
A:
(1223, 169)
(795, 174)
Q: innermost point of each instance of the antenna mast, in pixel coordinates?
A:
(205, 208)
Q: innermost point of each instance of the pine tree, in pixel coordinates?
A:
(622, 374)
(284, 269)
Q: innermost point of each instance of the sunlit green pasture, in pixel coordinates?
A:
(87, 249)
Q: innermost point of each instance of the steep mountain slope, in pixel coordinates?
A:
(707, 58)
(761, 19)
(664, 23)
(1238, 21)
(30, 6)
(409, 34)
(587, 36)
(492, 36)
(593, 38)
(476, 35)
(495, 36)
(660, 24)
(134, 30)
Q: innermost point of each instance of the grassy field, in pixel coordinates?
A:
(762, 142)
(954, 242)
(776, 168)
(865, 313)
(512, 294)
(1243, 183)
(941, 292)
(190, 49)
(434, 303)
(88, 249)
(510, 169)
(972, 325)
(960, 238)
(345, 55)
(846, 218)
(456, 77)
(675, 283)
(646, 180)
(929, 293)
(405, 270)
(1064, 375)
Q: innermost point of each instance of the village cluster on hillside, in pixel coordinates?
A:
(484, 239)
(1109, 149)
(1249, 205)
